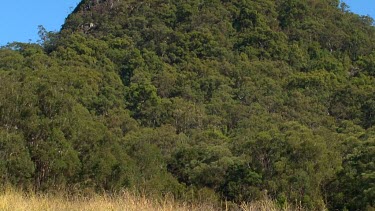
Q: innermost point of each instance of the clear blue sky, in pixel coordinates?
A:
(362, 7)
(19, 19)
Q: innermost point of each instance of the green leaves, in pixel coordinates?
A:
(241, 184)
(354, 185)
(16, 166)
(214, 100)
(289, 157)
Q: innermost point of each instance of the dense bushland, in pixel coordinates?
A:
(222, 100)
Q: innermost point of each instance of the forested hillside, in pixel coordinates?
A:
(203, 99)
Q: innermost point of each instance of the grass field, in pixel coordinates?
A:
(11, 200)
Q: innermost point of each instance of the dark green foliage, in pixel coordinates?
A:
(241, 184)
(207, 100)
(353, 189)
(16, 165)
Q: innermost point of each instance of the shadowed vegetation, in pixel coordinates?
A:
(210, 100)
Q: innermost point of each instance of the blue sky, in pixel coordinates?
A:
(362, 7)
(19, 19)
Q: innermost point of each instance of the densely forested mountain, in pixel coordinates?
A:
(202, 99)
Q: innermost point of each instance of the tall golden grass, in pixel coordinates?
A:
(11, 200)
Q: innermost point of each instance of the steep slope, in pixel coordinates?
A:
(202, 99)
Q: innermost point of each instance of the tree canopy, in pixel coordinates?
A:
(214, 99)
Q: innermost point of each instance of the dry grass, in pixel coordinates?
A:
(11, 200)
(267, 205)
